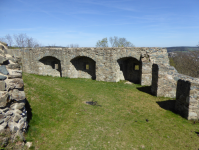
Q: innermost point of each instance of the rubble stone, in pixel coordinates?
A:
(2, 86)
(3, 99)
(17, 95)
(3, 70)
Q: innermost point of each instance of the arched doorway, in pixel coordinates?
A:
(50, 66)
(84, 67)
(130, 69)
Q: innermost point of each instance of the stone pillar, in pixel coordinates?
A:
(146, 73)
(187, 99)
(164, 81)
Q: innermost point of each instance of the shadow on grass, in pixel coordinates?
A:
(145, 89)
(93, 103)
(197, 133)
(29, 112)
(167, 105)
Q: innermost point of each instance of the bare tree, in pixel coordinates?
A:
(30, 42)
(9, 40)
(3, 40)
(20, 40)
(73, 45)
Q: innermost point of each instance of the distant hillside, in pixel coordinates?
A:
(182, 48)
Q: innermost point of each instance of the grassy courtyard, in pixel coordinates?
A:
(125, 117)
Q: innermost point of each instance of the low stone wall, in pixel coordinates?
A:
(13, 114)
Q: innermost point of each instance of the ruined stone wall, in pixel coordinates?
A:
(187, 98)
(13, 114)
(106, 66)
(167, 82)
(164, 81)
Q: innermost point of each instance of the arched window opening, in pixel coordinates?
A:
(50, 66)
(84, 67)
(129, 69)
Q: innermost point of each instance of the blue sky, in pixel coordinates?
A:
(145, 23)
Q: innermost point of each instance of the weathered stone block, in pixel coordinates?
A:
(1, 47)
(16, 83)
(14, 60)
(3, 77)
(14, 76)
(3, 99)
(17, 117)
(9, 113)
(3, 126)
(18, 111)
(2, 59)
(2, 118)
(192, 116)
(13, 66)
(18, 105)
(15, 129)
(2, 86)
(7, 118)
(1, 121)
(3, 70)
(17, 95)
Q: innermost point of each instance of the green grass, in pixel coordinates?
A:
(62, 120)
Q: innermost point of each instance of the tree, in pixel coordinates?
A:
(73, 45)
(22, 40)
(102, 43)
(30, 42)
(3, 40)
(9, 40)
(115, 42)
(186, 63)
(120, 42)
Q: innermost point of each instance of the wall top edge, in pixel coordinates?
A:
(96, 48)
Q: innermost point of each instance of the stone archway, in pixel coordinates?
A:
(50, 66)
(129, 69)
(83, 67)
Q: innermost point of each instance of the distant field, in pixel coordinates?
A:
(180, 49)
(127, 118)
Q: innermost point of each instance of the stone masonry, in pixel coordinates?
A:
(144, 65)
(187, 99)
(102, 64)
(13, 114)
(167, 82)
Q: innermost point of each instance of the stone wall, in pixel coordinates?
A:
(13, 114)
(167, 82)
(164, 81)
(187, 98)
(104, 62)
